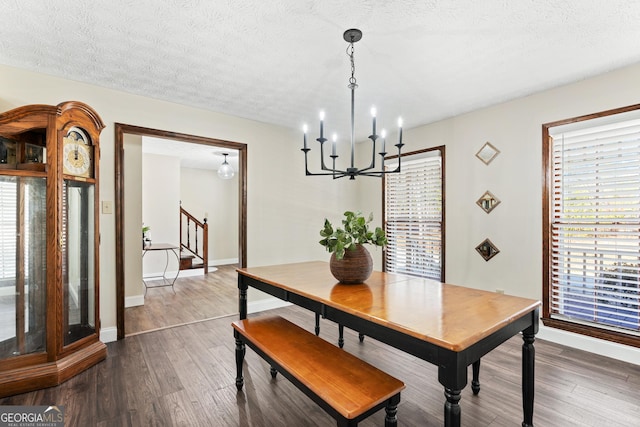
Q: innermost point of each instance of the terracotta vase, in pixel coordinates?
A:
(355, 267)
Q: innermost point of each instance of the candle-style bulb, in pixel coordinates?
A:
(373, 124)
(334, 138)
(399, 122)
(305, 129)
(383, 134)
(321, 124)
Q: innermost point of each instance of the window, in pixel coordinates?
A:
(414, 215)
(592, 225)
(8, 226)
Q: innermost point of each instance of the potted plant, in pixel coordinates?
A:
(145, 240)
(350, 261)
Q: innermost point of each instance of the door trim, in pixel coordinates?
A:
(120, 131)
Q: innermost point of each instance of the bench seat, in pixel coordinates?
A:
(346, 387)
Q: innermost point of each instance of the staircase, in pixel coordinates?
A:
(194, 242)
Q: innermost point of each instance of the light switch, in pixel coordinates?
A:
(107, 207)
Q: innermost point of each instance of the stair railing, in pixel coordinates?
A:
(194, 237)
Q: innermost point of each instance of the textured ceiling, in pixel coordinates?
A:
(197, 156)
(281, 61)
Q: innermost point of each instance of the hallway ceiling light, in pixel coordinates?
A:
(352, 36)
(225, 171)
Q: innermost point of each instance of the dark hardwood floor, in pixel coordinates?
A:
(196, 298)
(185, 376)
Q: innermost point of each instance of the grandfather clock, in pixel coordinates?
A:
(49, 263)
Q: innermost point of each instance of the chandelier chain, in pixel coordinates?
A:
(352, 79)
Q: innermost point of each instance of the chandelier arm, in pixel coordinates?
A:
(322, 165)
(373, 139)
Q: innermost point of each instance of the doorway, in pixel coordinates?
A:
(120, 131)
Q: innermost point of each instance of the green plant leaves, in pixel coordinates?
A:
(355, 231)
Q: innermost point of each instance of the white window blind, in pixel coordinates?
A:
(595, 225)
(413, 216)
(8, 226)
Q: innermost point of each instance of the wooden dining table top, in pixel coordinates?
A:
(449, 316)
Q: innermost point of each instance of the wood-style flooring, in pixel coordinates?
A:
(185, 376)
(195, 298)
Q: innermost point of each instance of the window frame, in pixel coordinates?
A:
(441, 149)
(547, 236)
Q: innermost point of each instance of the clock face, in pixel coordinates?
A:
(77, 158)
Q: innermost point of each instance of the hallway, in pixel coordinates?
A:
(195, 299)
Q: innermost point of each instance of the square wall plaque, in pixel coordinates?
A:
(487, 153)
(488, 201)
(487, 250)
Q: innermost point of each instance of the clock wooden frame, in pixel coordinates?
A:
(62, 293)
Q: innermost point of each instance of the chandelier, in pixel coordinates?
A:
(352, 36)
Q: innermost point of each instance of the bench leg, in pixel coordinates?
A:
(240, 351)
(340, 336)
(475, 382)
(390, 420)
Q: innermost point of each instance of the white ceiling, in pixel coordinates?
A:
(281, 61)
(191, 155)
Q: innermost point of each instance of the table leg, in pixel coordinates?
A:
(340, 336)
(528, 375)
(317, 324)
(475, 382)
(452, 408)
(178, 268)
(242, 299)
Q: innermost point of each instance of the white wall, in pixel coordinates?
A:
(160, 209)
(285, 208)
(515, 177)
(203, 193)
(133, 288)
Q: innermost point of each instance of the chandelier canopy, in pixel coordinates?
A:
(352, 36)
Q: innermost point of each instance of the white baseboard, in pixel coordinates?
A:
(109, 334)
(183, 273)
(266, 304)
(593, 345)
(133, 301)
(223, 261)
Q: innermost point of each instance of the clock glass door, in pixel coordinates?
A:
(23, 265)
(78, 260)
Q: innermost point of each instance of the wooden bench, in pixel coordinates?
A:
(347, 388)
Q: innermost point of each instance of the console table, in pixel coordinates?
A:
(447, 325)
(166, 247)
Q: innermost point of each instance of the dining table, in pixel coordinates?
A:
(447, 325)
